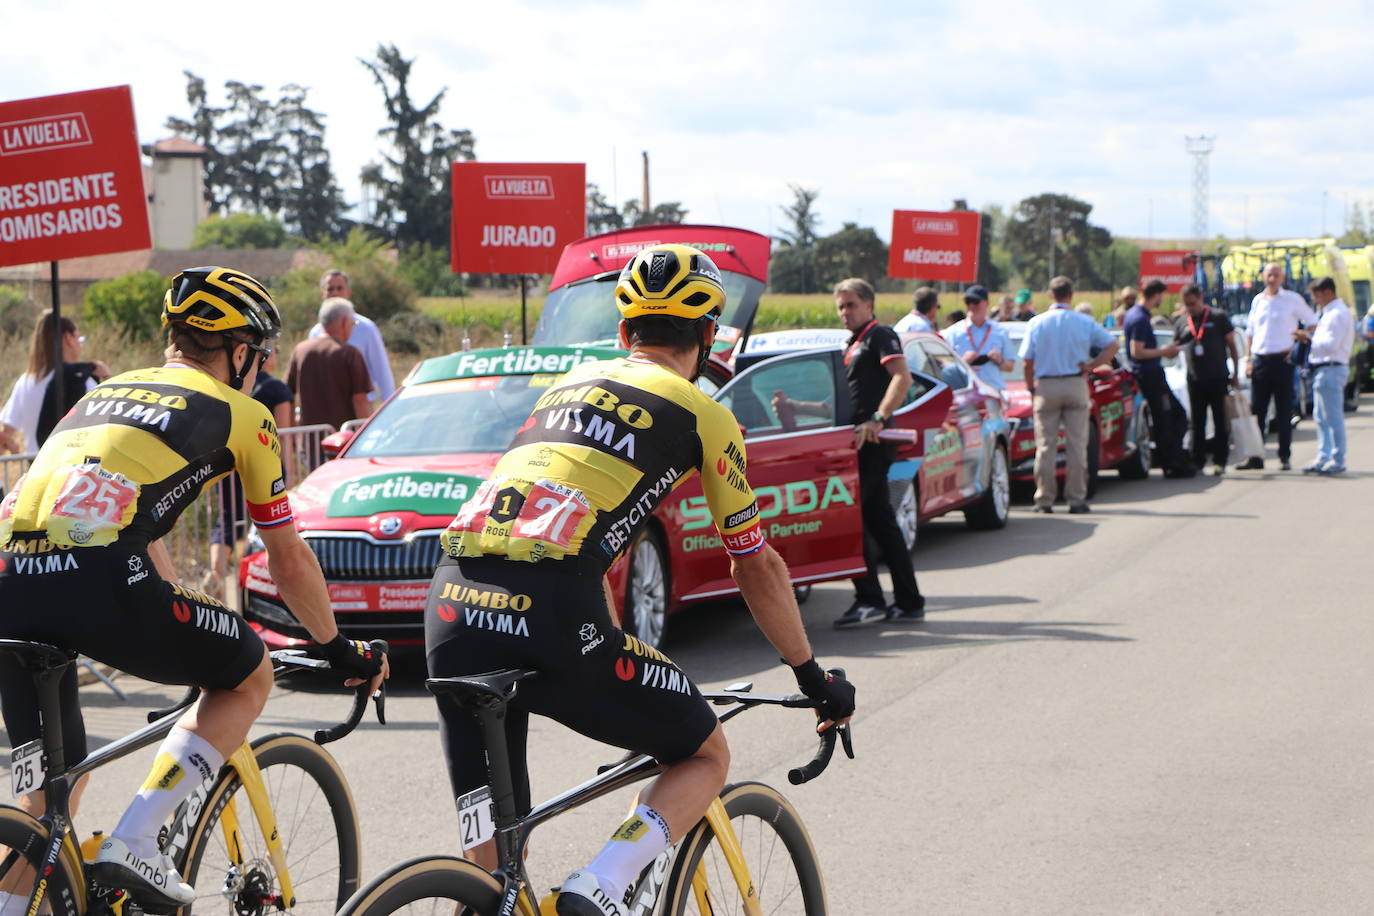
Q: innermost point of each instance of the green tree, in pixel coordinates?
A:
(602, 216)
(854, 251)
(240, 230)
(411, 186)
(792, 267)
(131, 302)
(311, 198)
(1058, 223)
(429, 269)
(17, 312)
(802, 215)
(667, 212)
(380, 286)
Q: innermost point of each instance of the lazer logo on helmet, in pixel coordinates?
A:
(498, 236)
(793, 498)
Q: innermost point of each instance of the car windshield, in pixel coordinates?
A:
(460, 416)
(585, 312)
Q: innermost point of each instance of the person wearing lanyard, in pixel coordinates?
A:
(1166, 413)
(1207, 337)
(1056, 355)
(1275, 314)
(1332, 340)
(980, 341)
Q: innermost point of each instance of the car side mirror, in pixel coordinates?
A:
(334, 443)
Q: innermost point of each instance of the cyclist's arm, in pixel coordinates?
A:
(767, 589)
(610, 600)
(162, 561)
(296, 572)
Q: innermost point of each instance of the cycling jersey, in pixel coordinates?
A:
(136, 451)
(600, 451)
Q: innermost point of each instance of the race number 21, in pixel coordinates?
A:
(476, 820)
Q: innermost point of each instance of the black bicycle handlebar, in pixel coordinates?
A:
(798, 775)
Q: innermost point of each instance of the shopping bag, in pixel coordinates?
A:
(1245, 434)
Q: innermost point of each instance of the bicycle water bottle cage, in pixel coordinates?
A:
(480, 691)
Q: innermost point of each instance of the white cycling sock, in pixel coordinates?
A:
(634, 845)
(183, 762)
(13, 904)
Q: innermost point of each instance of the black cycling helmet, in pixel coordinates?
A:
(221, 300)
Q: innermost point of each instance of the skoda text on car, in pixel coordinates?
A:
(373, 514)
(956, 435)
(1118, 427)
(580, 307)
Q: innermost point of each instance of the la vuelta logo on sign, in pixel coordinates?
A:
(524, 187)
(37, 135)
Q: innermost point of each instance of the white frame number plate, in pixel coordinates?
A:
(476, 818)
(26, 768)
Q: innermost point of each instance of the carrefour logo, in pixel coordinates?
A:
(414, 491)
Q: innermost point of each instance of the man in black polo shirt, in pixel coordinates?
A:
(1207, 338)
(878, 382)
(1166, 413)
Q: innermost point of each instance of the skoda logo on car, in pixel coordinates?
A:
(389, 526)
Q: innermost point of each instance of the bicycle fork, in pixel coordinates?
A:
(246, 765)
(719, 821)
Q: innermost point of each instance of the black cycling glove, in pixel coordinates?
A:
(353, 657)
(833, 694)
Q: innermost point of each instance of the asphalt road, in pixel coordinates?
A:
(1162, 707)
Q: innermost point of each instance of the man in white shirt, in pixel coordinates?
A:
(925, 306)
(1332, 341)
(980, 341)
(366, 337)
(1275, 315)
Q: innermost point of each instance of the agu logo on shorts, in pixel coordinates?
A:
(182, 611)
(625, 669)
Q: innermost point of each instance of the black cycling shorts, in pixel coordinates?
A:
(110, 604)
(488, 613)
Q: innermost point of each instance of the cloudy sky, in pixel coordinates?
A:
(879, 105)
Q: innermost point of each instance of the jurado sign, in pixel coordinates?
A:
(515, 218)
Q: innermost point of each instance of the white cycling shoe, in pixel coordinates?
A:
(148, 880)
(581, 895)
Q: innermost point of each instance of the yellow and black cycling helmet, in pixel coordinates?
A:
(674, 280)
(220, 300)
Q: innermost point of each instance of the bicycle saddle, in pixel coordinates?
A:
(37, 654)
(491, 689)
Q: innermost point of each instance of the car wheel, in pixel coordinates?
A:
(646, 591)
(993, 508)
(801, 593)
(904, 498)
(1136, 466)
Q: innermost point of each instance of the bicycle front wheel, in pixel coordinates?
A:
(23, 843)
(777, 851)
(430, 886)
(226, 858)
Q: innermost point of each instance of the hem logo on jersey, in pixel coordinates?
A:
(619, 531)
(744, 541)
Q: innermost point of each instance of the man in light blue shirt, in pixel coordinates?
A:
(1057, 354)
(925, 305)
(981, 342)
(366, 336)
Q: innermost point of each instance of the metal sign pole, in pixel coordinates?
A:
(524, 337)
(59, 377)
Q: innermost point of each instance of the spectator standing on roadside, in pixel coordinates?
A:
(367, 337)
(1145, 354)
(31, 411)
(327, 373)
(1124, 300)
(1006, 309)
(1207, 338)
(1056, 355)
(1275, 314)
(1025, 311)
(878, 381)
(1085, 308)
(981, 342)
(925, 306)
(1332, 341)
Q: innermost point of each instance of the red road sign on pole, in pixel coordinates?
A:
(934, 246)
(515, 217)
(71, 181)
(1173, 267)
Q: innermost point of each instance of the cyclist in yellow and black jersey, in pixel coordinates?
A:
(522, 584)
(81, 566)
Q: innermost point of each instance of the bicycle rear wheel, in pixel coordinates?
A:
(317, 823)
(23, 842)
(777, 850)
(429, 886)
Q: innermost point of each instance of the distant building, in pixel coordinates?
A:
(175, 181)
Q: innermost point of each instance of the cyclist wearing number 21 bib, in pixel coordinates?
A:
(82, 566)
(522, 583)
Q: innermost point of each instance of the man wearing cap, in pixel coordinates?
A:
(1275, 314)
(1024, 310)
(980, 341)
(925, 306)
(1057, 355)
(1329, 359)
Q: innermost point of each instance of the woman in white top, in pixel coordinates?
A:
(19, 417)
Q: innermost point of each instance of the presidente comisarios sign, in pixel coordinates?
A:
(934, 245)
(71, 181)
(515, 217)
(1173, 267)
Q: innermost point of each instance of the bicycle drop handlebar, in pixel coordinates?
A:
(288, 661)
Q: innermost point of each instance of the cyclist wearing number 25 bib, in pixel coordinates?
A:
(82, 566)
(522, 583)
